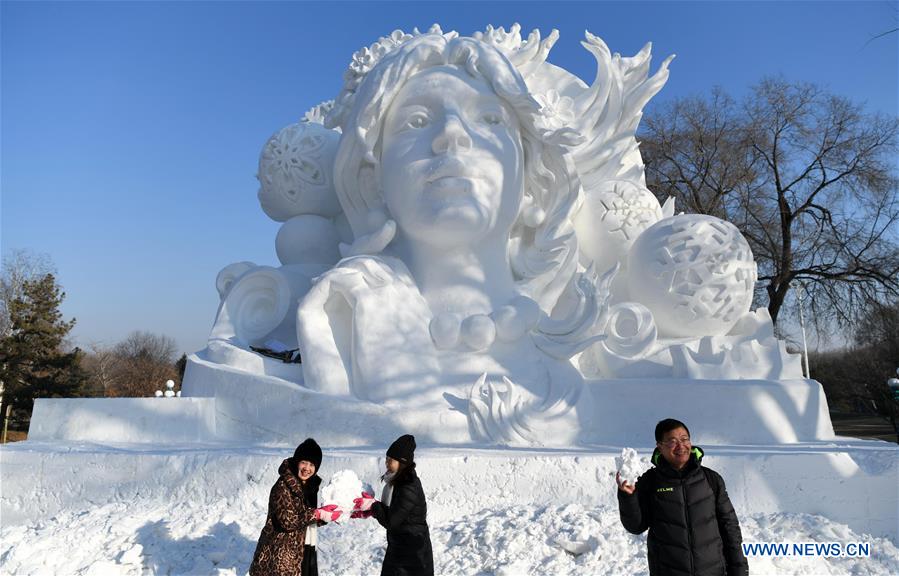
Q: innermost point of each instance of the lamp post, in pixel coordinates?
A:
(893, 384)
(802, 327)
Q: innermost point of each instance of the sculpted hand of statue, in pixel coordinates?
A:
(371, 314)
(373, 243)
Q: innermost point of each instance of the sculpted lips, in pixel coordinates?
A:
(449, 169)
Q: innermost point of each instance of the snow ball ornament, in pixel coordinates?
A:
(611, 218)
(296, 172)
(445, 330)
(478, 332)
(695, 273)
(308, 239)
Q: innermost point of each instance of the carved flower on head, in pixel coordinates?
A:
(362, 62)
(558, 111)
(366, 58)
(317, 114)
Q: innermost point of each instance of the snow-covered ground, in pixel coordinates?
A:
(177, 537)
(87, 509)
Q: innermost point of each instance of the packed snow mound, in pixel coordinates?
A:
(343, 488)
(178, 537)
(630, 466)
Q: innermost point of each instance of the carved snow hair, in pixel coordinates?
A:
(543, 245)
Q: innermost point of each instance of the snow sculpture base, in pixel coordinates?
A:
(134, 420)
(739, 412)
(749, 412)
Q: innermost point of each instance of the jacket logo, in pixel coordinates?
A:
(669, 489)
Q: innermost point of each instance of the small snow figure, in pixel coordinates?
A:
(170, 390)
(629, 465)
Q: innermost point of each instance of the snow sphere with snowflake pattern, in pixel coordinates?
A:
(295, 172)
(612, 217)
(695, 273)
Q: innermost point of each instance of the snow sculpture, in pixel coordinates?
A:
(467, 230)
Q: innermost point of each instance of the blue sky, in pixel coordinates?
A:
(130, 131)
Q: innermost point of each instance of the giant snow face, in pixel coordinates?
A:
(451, 159)
(694, 272)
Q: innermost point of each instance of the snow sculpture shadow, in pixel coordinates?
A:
(223, 547)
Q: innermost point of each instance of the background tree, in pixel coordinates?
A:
(18, 267)
(140, 365)
(808, 177)
(181, 367)
(101, 365)
(854, 377)
(32, 360)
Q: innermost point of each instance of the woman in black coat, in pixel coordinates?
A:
(403, 512)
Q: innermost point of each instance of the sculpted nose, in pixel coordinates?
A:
(451, 137)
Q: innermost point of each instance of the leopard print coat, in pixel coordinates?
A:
(280, 548)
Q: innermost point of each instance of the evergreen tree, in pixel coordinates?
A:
(33, 362)
(181, 366)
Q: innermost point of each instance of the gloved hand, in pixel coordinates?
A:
(328, 513)
(362, 514)
(364, 502)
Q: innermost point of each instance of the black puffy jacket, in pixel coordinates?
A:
(408, 539)
(693, 528)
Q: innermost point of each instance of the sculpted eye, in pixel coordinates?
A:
(418, 120)
(492, 118)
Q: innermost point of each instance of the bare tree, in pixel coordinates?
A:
(101, 364)
(808, 177)
(141, 364)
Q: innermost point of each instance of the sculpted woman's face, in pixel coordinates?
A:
(451, 159)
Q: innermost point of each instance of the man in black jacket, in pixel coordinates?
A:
(693, 529)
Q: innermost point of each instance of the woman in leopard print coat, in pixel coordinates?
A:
(284, 547)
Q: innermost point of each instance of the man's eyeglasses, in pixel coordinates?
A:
(675, 441)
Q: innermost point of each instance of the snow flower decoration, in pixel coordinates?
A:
(366, 58)
(526, 55)
(508, 42)
(558, 111)
(317, 114)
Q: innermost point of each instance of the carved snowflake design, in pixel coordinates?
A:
(557, 111)
(290, 155)
(631, 211)
(709, 269)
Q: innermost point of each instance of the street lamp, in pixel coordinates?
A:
(893, 383)
(802, 326)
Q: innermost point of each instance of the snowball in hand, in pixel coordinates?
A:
(343, 488)
(629, 465)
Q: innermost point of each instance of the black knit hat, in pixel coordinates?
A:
(310, 451)
(402, 449)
